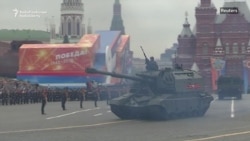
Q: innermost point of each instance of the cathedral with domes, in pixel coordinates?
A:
(72, 19)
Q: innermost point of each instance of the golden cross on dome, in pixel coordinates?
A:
(186, 15)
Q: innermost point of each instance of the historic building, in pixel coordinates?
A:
(169, 53)
(72, 19)
(117, 22)
(10, 42)
(219, 44)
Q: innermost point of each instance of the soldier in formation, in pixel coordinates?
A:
(44, 100)
(64, 97)
(92, 89)
(82, 96)
(13, 92)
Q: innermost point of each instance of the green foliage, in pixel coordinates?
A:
(10, 35)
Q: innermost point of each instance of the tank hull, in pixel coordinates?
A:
(162, 107)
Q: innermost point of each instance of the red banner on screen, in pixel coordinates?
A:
(58, 58)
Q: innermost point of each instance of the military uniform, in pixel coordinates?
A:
(81, 96)
(44, 101)
(151, 65)
(64, 98)
(4, 97)
(95, 92)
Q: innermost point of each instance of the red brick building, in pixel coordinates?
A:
(4, 47)
(224, 37)
(9, 57)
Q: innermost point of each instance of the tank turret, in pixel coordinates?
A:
(162, 94)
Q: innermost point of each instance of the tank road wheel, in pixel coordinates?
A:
(190, 113)
(157, 113)
(201, 112)
(121, 112)
(193, 113)
(184, 114)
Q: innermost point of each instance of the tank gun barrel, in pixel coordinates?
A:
(113, 74)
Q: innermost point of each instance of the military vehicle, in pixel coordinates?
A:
(229, 86)
(160, 95)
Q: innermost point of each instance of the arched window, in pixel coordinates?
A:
(78, 27)
(205, 48)
(69, 27)
(243, 48)
(235, 48)
(62, 29)
(227, 48)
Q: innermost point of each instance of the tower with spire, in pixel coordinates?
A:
(205, 14)
(117, 22)
(186, 41)
(72, 19)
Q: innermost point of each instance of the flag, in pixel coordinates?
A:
(222, 67)
(217, 69)
(246, 67)
(214, 74)
(246, 63)
(219, 64)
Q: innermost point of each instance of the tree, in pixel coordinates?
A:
(65, 39)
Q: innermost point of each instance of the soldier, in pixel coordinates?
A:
(179, 67)
(108, 94)
(64, 97)
(5, 94)
(95, 92)
(151, 65)
(82, 96)
(44, 100)
(92, 89)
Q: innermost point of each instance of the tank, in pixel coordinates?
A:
(164, 94)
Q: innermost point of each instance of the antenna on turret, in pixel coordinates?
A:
(175, 56)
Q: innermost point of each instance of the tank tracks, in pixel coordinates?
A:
(157, 112)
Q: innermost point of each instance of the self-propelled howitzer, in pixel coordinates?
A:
(163, 94)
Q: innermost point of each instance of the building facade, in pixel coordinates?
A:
(219, 43)
(72, 19)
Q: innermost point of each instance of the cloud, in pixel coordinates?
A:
(153, 24)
